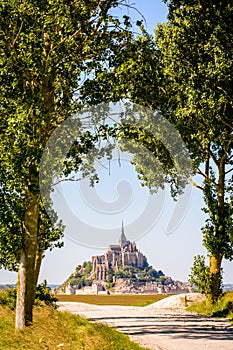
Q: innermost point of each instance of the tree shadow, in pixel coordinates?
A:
(174, 326)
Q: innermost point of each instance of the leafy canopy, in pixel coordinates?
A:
(47, 49)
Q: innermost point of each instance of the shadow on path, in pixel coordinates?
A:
(164, 329)
(185, 326)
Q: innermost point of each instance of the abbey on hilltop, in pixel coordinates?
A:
(123, 255)
(122, 269)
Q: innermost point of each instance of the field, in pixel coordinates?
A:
(124, 300)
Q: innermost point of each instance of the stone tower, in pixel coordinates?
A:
(125, 254)
(122, 241)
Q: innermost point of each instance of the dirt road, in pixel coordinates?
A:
(164, 325)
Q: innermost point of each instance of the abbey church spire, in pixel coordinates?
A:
(123, 255)
(122, 227)
(123, 240)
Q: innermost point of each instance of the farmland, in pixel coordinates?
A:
(119, 299)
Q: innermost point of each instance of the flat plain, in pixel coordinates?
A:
(113, 299)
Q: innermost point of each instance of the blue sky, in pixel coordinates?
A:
(169, 246)
(154, 11)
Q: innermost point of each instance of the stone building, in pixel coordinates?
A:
(123, 255)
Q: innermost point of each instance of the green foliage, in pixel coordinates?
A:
(88, 268)
(43, 295)
(8, 298)
(225, 310)
(47, 48)
(80, 282)
(197, 59)
(200, 275)
(110, 285)
(80, 277)
(148, 274)
(222, 308)
(202, 278)
(84, 264)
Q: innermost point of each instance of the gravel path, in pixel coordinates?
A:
(164, 325)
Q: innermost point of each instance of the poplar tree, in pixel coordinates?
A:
(47, 48)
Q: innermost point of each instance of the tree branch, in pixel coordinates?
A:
(214, 158)
(227, 172)
(15, 39)
(195, 184)
(70, 179)
(220, 88)
(229, 159)
(199, 172)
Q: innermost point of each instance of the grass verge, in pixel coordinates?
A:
(60, 330)
(223, 307)
(124, 300)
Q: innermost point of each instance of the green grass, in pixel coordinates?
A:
(124, 300)
(60, 330)
(223, 308)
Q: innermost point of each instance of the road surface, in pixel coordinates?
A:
(164, 325)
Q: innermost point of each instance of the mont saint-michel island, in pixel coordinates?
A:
(122, 269)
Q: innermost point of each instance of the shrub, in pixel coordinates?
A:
(200, 275)
(222, 308)
(43, 295)
(8, 297)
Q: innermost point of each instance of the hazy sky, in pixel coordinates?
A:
(167, 232)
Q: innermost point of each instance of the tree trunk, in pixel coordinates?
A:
(21, 289)
(38, 262)
(30, 285)
(27, 278)
(220, 239)
(24, 303)
(215, 279)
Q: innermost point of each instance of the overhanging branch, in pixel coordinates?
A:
(195, 184)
